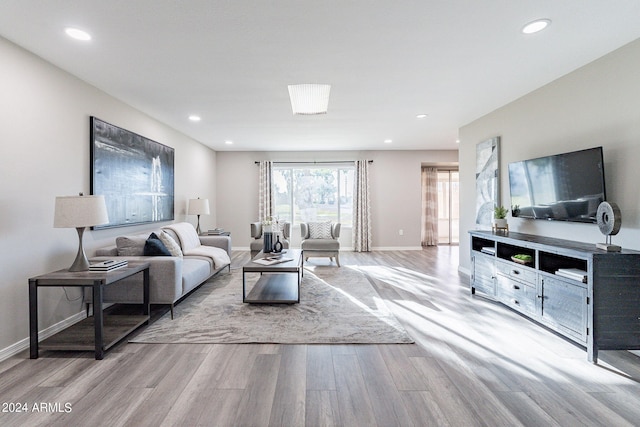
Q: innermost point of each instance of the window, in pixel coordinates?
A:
(306, 194)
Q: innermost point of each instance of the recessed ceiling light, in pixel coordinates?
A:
(194, 118)
(421, 116)
(535, 26)
(228, 142)
(457, 141)
(388, 141)
(77, 34)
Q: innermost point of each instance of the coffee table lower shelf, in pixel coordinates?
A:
(80, 336)
(275, 288)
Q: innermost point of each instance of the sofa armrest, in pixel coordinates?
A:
(165, 276)
(222, 242)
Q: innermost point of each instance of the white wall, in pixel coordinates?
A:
(394, 185)
(44, 135)
(598, 104)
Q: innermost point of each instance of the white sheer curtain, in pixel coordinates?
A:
(265, 191)
(362, 208)
(429, 206)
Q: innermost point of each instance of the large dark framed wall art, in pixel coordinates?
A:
(133, 173)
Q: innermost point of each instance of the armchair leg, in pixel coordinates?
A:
(338, 259)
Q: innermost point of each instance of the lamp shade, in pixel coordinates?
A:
(198, 207)
(80, 211)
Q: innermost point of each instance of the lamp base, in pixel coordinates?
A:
(81, 262)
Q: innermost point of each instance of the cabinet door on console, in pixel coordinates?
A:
(484, 273)
(564, 305)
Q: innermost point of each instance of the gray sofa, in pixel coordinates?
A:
(171, 277)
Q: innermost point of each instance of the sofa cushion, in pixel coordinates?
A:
(154, 246)
(218, 257)
(130, 245)
(194, 272)
(172, 246)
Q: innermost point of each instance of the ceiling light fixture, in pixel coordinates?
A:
(388, 141)
(194, 118)
(77, 34)
(535, 26)
(421, 116)
(228, 142)
(309, 98)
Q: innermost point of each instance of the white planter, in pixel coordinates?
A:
(500, 223)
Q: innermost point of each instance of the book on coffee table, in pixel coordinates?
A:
(271, 260)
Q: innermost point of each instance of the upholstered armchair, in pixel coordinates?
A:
(257, 243)
(320, 239)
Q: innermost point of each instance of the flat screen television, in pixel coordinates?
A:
(564, 187)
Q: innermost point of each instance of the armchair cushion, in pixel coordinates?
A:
(320, 230)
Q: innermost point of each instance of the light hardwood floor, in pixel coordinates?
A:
(475, 363)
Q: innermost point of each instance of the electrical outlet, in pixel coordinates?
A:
(401, 232)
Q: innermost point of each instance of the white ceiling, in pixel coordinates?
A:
(387, 61)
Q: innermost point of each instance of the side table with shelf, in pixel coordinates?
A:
(99, 332)
(597, 307)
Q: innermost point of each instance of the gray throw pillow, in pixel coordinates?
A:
(130, 245)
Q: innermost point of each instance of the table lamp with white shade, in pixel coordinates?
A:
(80, 212)
(198, 207)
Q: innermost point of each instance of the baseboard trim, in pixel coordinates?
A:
(464, 271)
(23, 344)
(397, 248)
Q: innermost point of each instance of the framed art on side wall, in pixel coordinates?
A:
(133, 173)
(487, 181)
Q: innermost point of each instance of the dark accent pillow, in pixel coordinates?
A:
(154, 246)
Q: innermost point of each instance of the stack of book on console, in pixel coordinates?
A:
(215, 232)
(488, 250)
(108, 265)
(573, 273)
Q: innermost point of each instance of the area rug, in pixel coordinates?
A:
(337, 305)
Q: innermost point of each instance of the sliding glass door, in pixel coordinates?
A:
(448, 207)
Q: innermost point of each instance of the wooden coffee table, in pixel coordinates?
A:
(279, 283)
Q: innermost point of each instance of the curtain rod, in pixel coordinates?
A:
(316, 163)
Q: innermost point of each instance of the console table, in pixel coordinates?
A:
(107, 330)
(600, 311)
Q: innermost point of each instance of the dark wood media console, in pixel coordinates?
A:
(599, 309)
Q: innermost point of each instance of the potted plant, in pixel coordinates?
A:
(499, 217)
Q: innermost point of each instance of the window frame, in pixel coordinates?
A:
(339, 169)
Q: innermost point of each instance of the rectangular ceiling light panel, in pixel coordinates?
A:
(309, 98)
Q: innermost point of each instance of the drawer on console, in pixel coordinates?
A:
(516, 294)
(516, 271)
